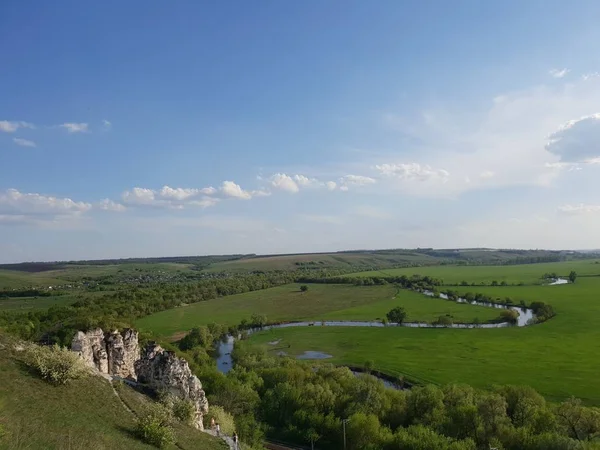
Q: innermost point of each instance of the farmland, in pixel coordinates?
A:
(514, 274)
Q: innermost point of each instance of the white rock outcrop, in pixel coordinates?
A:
(110, 353)
(164, 371)
(118, 354)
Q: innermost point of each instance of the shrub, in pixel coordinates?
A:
(55, 364)
(184, 410)
(509, 315)
(444, 320)
(154, 427)
(222, 417)
(304, 288)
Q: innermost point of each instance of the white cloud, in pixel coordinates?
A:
(109, 205)
(295, 183)
(106, 124)
(204, 202)
(577, 140)
(509, 138)
(208, 190)
(13, 202)
(559, 73)
(356, 180)
(285, 182)
(590, 76)
(11, 126)
(179, 198)
(230, 189)
(72, 127)
(579, 209)
(24, 142)
(139, 196)
(412, 171)
(486, 174)
(178, 193)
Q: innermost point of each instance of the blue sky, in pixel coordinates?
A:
(160, 128)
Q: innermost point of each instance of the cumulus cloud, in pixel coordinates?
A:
(412, 171)
(331, 185)
(284, 182)
(178, 193)
(13, 202)
(139, 196)
(8, 126)
(230, 189)
(577, 141)
(24, 142)
(109, 205)
(179, 198)
(559, 73)
(579, 209)
(72, 127)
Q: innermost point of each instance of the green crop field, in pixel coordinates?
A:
(321, 301)
(526, 273)
(559, 358)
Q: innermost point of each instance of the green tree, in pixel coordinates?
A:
(258, 320)
(303, 288)
(572, 276)
(397, 315)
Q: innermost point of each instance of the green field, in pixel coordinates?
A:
(526, 273)
(13, 279)
(321, 301)
(559, 358)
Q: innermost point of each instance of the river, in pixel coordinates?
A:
(225, 347)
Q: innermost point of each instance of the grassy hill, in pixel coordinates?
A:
(85, 414)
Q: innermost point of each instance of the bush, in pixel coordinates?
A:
(509, 315)
(184, 411)
(154, 427)
(222, 417)
(55, 364)
(444, 320)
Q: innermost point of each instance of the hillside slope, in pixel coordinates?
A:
(85, 414)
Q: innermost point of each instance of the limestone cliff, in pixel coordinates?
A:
(164, 371)
(111, 353)
(118, 354)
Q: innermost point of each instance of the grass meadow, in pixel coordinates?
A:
(321, 301)
(559, 358)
